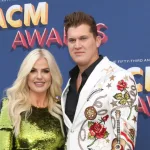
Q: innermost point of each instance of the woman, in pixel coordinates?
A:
(35, 116)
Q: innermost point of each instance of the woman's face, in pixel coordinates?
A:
(39, 79)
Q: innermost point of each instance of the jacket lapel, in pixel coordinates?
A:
(97, 74)
(67, 121)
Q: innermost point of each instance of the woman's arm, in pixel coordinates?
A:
(6, 129)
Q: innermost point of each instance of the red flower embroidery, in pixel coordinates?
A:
(97, 130)
(121, 85)
(105, 118)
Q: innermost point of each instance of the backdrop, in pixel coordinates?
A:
(125, 23)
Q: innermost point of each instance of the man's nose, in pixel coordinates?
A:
(77, 44)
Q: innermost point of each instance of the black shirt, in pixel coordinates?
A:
(73, 95)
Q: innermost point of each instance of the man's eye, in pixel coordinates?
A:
(83, 38)
(71, 40)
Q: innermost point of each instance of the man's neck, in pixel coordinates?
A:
(82, 68)
(78, 81)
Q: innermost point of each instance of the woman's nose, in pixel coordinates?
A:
(39, 75)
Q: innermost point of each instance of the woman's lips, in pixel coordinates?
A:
(39, 84)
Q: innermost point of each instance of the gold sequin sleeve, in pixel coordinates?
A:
(6, 135)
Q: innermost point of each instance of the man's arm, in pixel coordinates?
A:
(124, 104)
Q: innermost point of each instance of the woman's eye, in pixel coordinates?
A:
(46, 71)
(33, 70)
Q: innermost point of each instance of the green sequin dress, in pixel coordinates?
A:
(41, 131)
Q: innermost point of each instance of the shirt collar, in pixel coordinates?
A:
(74, 72)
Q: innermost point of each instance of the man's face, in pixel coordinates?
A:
(82, 45)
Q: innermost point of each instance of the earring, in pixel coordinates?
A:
(57, 99)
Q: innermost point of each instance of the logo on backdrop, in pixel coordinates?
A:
(3, 1)
(34, 17)
(142, 76)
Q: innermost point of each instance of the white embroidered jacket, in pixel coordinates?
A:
(106, 113)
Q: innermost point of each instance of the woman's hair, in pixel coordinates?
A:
(18, 94)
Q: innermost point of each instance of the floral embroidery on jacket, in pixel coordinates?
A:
(97, 130)
(123, 97)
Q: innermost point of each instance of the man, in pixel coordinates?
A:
(100, 100)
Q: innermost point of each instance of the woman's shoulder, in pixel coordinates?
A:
(3, 103)
(5, 121)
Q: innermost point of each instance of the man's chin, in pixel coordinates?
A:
(81, 63)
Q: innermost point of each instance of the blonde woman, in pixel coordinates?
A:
(31, 117)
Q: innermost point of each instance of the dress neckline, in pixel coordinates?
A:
(39, 108)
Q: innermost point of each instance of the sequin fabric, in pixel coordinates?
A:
(41, 131)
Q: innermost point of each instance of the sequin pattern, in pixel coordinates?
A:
(41, 131)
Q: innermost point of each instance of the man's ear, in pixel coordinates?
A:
(98, 41)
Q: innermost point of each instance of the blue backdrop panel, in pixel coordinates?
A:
(128, 44)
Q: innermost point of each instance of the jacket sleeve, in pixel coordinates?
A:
(124, 109)
(6, 129)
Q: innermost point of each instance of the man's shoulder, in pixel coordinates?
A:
(116, 69)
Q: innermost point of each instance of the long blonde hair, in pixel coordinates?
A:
(18, 94)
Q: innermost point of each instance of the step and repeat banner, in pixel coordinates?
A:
(25, 25)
